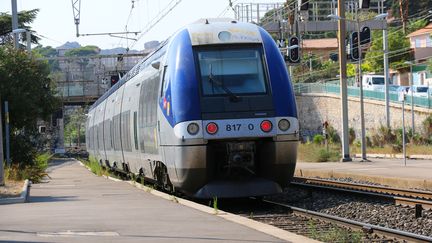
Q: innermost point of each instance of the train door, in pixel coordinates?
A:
(118, 157)
(108, 129)
(102, 131)
(129, 119)
(98, 125)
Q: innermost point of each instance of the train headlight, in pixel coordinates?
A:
(212, 128)
(266, 126)
(193, 128)
(284, 125)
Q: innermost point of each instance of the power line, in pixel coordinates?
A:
(170, 6)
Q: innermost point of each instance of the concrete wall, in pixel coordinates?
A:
(314, 109)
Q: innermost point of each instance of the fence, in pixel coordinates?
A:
(424, 102)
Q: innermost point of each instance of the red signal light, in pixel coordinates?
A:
(266, 126)
(212, 128)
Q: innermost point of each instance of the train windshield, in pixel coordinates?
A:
(232, 71)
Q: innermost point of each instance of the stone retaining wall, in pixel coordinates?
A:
(314, 109)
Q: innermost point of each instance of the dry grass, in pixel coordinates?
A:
(387, 149)
(318, 153)
(11, 189)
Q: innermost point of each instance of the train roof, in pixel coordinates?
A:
(222, 31)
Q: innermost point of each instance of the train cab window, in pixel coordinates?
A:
(239, 71)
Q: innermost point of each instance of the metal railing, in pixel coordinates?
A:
(424, 102)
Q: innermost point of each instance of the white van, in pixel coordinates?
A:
(373, 82)
(419, 90)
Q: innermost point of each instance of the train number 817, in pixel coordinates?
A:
(236, 127)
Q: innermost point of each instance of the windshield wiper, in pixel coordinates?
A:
(216, 82)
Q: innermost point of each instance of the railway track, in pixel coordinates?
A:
(302, 217)
(413, 198)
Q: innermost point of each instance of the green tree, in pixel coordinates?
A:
(24, 83)
(47, 51)
(75, 126)
(83, 51)
(24, 19)
(399, 46)
(414, 7)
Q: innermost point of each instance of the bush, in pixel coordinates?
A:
(95, 167)
(23, 151)
(368, 141)
(357, 143)
(318, 139)
(384, 135)
(333, 135)
(352, 135)
(427, 125)
(323, 155)
(33, 171)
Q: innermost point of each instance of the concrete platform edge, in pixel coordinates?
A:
(397, 156)
(25, 193)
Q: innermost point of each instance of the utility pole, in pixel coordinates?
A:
(362, 122)
(2, 180)
(7, 131)
(343, 81)
(15, 37)
(386, 76)
(403, 9)
(15, 22)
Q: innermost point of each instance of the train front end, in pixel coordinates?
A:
(241, 136)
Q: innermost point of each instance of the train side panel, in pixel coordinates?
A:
(130, 114)
(108, 130)
(117, 158)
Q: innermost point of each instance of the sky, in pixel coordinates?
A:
(55, 20)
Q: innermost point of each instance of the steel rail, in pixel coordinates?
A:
(367, 228)
(425, 204)
(369, 188)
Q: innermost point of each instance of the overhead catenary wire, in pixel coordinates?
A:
(168, 8)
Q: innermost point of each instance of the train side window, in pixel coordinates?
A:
(164, 84)
(135, 130)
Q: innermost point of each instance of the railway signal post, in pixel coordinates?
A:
(343, 81)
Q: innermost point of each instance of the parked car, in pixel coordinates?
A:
(419, 91)
(373, 82)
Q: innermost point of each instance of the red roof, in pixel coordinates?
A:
(425, 30)
(329, 43)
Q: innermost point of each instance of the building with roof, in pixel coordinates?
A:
(320, 47)
(421, 43)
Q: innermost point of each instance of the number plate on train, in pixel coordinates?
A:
(240, 128)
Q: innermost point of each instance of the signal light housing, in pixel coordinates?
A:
(355, 50)
(266, 126)
(193, 128)
(294, 53)
(212, 128)
(284, 125)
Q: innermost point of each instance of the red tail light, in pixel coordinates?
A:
(266, 126)
(212, 128)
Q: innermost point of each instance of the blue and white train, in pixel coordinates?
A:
(210, 113)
